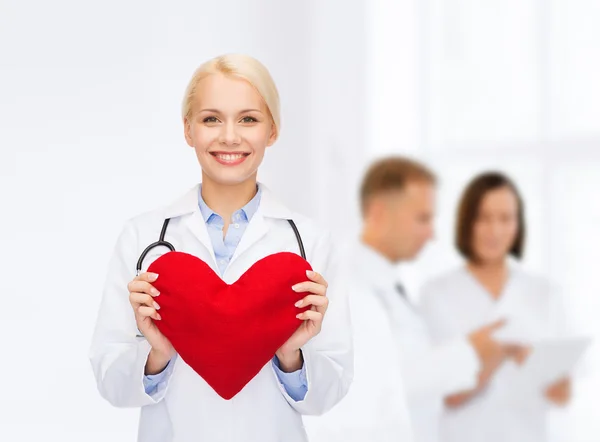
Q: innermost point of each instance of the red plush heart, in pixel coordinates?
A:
(227, 333)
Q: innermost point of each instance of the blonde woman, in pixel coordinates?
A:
(229, 221)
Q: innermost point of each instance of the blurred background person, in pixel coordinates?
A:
(396, 366)
(490, 235)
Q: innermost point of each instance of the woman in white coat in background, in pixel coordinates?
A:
(229, 221)
(491, 229)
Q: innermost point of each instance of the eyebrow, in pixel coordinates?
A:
(216, 111)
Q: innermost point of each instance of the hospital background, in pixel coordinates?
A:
(90, 135)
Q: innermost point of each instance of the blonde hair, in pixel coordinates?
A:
(242, 67)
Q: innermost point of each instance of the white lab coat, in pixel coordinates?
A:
(400, 379)
(455, 304)
(186, 408)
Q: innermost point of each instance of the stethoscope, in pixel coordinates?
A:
(162, 243)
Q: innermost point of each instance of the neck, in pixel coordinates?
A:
(226, 199)
(488, 267)
(492, 275)
(374, 241)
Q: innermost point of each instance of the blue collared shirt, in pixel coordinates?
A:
(295, 383)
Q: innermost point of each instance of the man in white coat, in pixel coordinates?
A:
(400, 378)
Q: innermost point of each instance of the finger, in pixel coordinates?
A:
(143, 299)
(142, 287)
(148, 312)
(316, 300)
(310, 315)
(316, 277)
(513, 348)
(146, 276)
(310, 287)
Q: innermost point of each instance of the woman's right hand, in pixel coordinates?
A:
(491, 352)
(491, 355)
(519, 353)
(142, 299)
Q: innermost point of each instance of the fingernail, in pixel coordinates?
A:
(299, 303)
(310, 273)
(299, 316)
(295, 287)
(153, 276)
(154, 291)
(156, 306)
(158, 317)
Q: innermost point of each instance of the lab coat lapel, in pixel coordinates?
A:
(192, 221)
(257, 228)
(196, 225)
(268, 209)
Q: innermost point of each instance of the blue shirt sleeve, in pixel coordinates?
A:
(295, 383)
(154, 383)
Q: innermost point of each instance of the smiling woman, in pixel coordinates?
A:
(230, 116)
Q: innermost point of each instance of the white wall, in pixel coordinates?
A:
(338, 110)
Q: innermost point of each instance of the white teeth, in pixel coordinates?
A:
(230, 157)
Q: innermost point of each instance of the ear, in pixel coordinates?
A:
(272, 135)
(382, 209)
(187, 132)
(375, 209)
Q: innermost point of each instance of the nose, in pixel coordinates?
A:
(229, 135)
(496, 229)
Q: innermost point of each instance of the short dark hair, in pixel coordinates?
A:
(468, 209)
(389, 174)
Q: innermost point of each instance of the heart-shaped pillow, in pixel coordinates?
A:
(228, 332)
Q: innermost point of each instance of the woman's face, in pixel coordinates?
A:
(229, 127)
(496, 226)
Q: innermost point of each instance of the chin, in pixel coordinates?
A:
(492, 257)
(410, 256)
(229, 178)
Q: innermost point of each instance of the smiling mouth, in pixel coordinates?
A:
(230, 158)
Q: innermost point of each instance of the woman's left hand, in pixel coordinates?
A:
(289, 354)
(559, 393)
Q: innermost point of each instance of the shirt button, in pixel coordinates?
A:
(236, 225)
